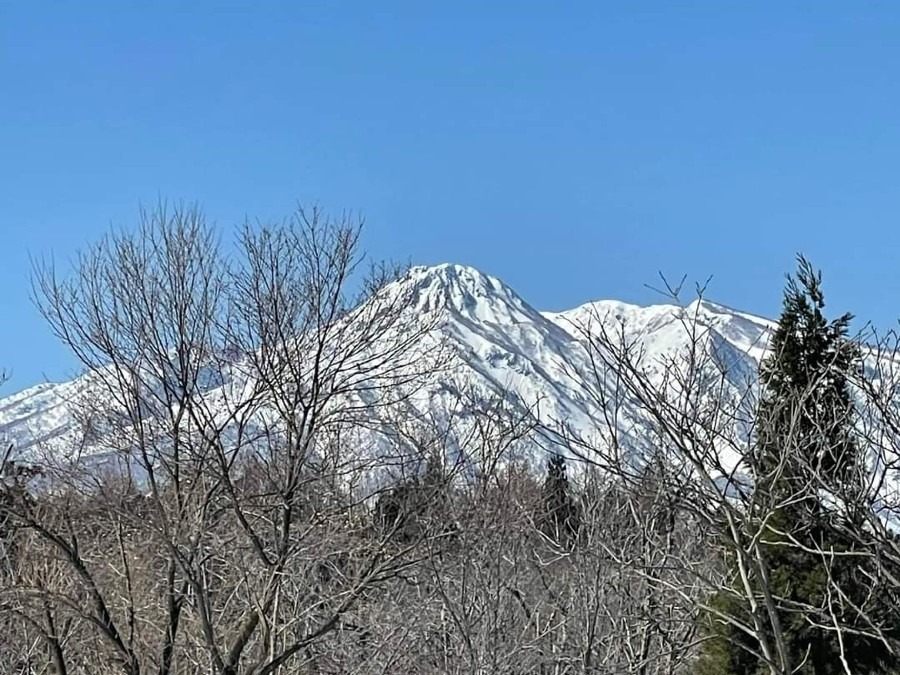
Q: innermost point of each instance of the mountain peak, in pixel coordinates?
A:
(452, 274)
(465, 291)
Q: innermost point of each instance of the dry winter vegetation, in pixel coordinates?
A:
(267, 502)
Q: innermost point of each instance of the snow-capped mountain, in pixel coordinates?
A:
(499, 348)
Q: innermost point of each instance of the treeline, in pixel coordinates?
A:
(233, 525)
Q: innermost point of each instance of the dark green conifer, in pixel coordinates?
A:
(559, 518)
(805, 447)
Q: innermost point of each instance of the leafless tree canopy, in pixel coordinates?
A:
(242, 397)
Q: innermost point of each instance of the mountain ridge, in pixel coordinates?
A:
(501, 347)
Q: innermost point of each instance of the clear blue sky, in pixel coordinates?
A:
(573, 149)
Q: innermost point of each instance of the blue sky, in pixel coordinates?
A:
(573, 149)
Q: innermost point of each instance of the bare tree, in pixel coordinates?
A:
(217, 528)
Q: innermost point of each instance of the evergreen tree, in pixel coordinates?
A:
(805, 419)
(559, 518)
(417, 506)
(805, 442)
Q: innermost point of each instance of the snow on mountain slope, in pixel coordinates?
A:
(500, 347)
(661, 327)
